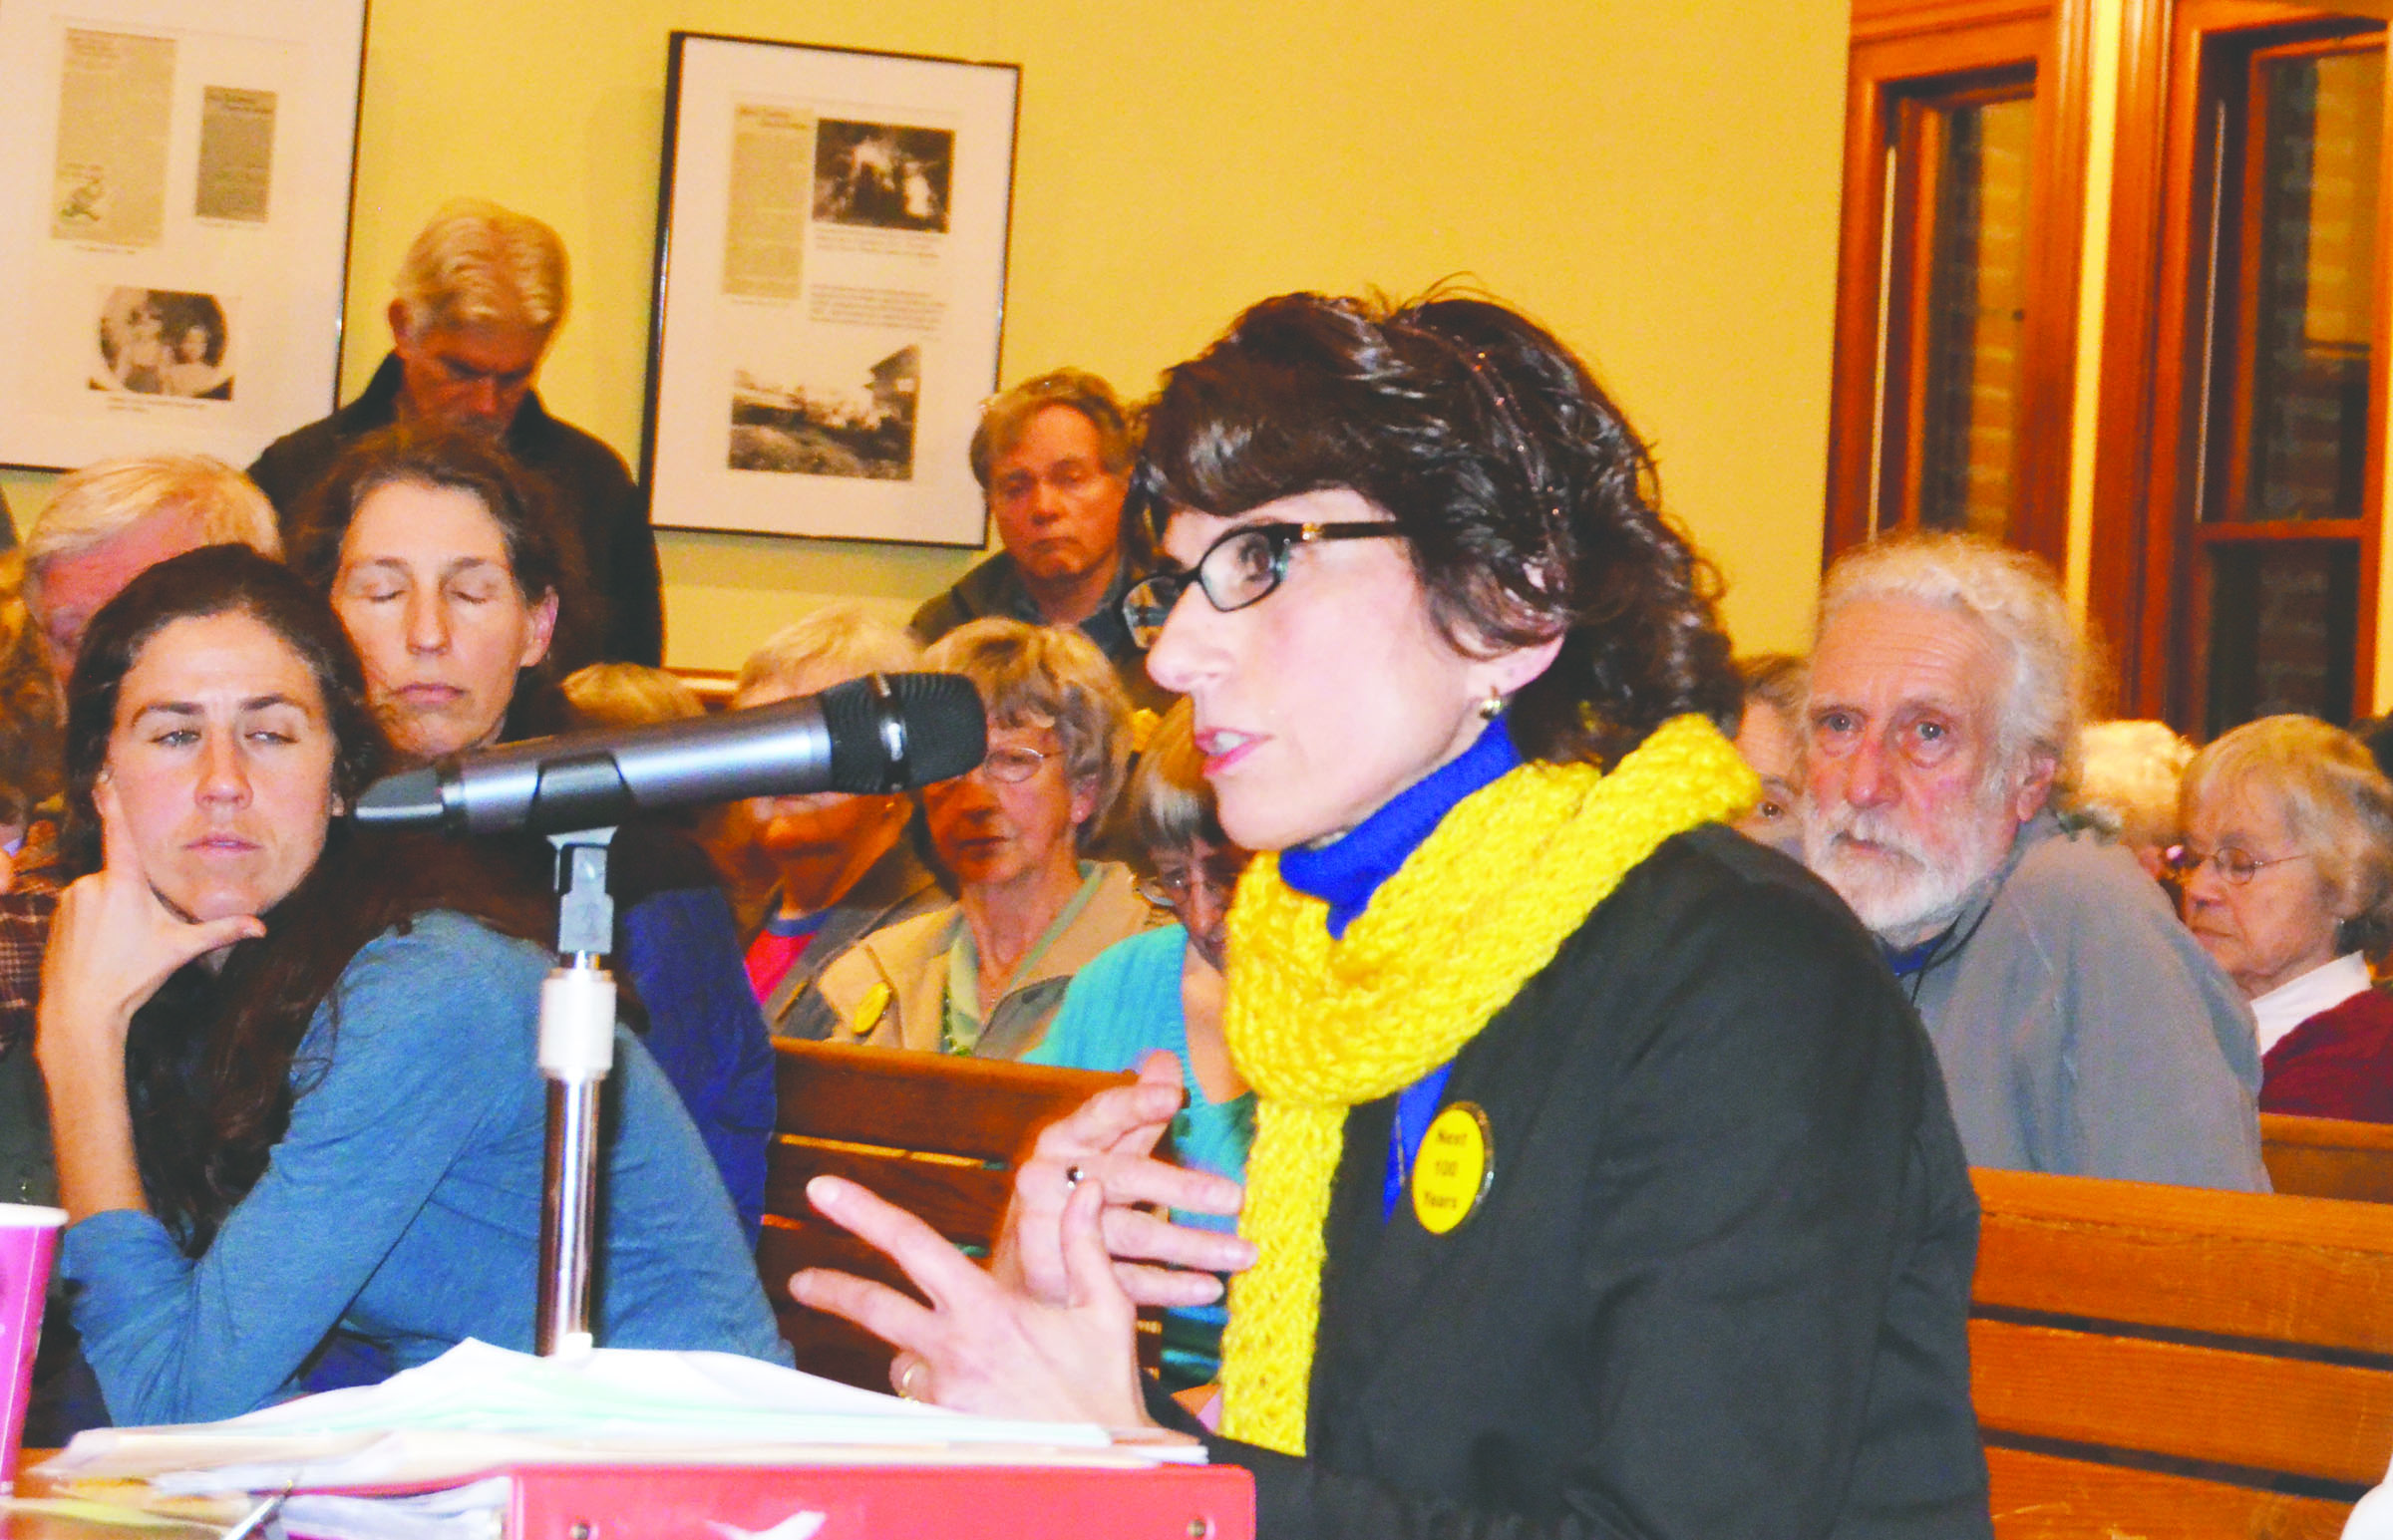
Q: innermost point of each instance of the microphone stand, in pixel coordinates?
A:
(576, 1052)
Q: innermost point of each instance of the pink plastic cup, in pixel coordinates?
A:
(28, 1240)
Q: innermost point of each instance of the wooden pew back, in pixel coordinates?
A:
(2167, 1360)
(2328, 1157)
(930, 1132)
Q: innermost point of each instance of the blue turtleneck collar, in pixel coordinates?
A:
(1345, 872)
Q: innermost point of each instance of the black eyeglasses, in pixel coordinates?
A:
(1240, 569)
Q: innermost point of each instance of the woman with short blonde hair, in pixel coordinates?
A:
(1052, 677)
(2288, 869)
(985, 975)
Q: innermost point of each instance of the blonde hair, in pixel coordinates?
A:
(32, 745)
(1776, 680)
(2015, 596)
(478, 264)
(2128, 779)
(1050, 677)
(1170, 803)
(102, 500)
(1006, 418)
(630, 695)
(828, 645)
(2337, 804)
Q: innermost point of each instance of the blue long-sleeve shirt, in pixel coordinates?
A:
(681, 950)
(403, 1203)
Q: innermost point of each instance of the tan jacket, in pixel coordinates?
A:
(889, 990)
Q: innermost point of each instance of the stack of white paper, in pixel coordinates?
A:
(477, 1408)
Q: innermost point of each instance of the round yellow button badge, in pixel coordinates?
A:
(1456, 1161)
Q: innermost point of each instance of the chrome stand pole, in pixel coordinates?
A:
(576, 1052)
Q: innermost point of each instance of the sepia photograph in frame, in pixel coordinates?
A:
(830, 290)
(189, 170)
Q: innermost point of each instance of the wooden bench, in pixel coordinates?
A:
(2169, 1361)
(713, 687)
(930, 1132)
(2328, 1157)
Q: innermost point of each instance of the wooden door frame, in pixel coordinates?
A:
(1895, 45)
(2139, 573)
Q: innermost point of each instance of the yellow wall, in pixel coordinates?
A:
(1658, 182)
(2106, 37)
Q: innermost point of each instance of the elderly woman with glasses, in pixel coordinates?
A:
(2288, 880)
(985, 975)
(1602, 1182)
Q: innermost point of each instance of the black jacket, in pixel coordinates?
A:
(592, 485)
(1719, 1283)
(994, 587)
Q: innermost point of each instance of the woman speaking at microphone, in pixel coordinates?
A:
(1602, 1185)
(293, 1070)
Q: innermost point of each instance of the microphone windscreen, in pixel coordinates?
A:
(925, 728)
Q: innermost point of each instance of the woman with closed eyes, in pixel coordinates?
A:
(456, 578)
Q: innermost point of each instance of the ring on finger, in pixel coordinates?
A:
(1072, 1177)
(905, 1380)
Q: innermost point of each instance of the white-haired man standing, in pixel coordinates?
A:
(2080, 1028)
(481, 295)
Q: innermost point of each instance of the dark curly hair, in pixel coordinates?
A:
(210, 1058)
(544, 550)
(1525, 499)
(212, 580)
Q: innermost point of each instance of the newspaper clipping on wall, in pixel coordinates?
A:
(848, 329)
(184, 290)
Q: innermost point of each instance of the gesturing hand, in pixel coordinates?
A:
(112, 944)
(982, 1346)
(1111, 1138)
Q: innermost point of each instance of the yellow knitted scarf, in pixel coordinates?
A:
(1318, 1026)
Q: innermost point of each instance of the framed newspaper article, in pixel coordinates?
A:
(830, 290)
(177, 179)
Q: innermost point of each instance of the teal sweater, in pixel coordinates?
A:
(1124, 1004)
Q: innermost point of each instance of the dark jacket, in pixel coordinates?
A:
(995, 588)
(1719, 1283)
(592, 486)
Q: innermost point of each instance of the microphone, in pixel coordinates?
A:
(876, 735)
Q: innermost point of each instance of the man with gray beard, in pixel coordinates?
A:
(2080, 1028)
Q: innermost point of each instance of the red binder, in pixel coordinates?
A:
(716, 1502)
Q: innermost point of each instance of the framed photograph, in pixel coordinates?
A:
(830, 290)
(177, 176)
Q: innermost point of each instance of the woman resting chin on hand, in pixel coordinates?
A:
(335, 1119)
(1603, 1183)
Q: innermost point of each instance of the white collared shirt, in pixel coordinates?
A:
(2321, 989)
